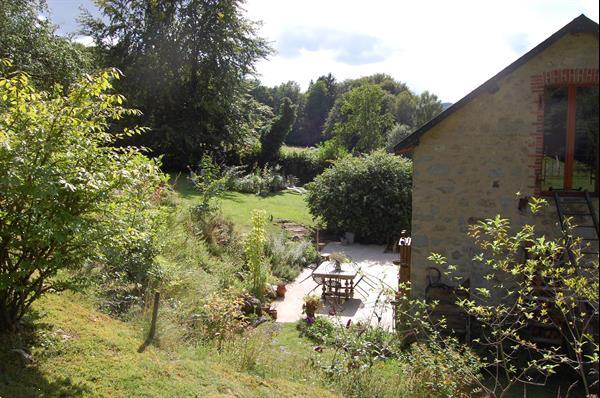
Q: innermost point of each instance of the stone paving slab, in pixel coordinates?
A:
(370, 305)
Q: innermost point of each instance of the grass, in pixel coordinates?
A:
(288, 149)
(79, 352)
(283, 205)
(238, 206)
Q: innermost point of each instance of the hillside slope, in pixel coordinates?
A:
(79, 352)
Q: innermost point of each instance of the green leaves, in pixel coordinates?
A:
(364, 125)
(369, 195)
(68, 194)
(186, 65)
(254, 248)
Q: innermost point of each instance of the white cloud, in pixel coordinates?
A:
(448, 48)
(87, 41)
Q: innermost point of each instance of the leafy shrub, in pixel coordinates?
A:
(209, 181)
(289, 257)
(368, 361)
(67, 193)
(320, 330)
(217, 317)
(262, 181)
(305, 164)
(129, 267)
(440, 370)
(213, 227)
(330, 150)
(548, 288)
(368, 195)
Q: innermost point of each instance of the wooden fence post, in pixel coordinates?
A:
(152, 331)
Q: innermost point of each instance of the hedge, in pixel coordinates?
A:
(368, 195)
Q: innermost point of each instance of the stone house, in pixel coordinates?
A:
(529, 130)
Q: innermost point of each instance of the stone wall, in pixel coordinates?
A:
(473, 163)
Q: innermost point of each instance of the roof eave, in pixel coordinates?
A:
(581, 24)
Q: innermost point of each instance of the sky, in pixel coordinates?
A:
(446, 47)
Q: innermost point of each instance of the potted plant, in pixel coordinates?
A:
(311, 304)
(338, 259)
(281, 289)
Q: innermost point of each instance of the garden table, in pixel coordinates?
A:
(336, 283)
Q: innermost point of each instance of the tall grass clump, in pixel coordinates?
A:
(258, 270)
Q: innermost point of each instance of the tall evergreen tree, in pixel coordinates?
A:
(320, 97)
(274, 138)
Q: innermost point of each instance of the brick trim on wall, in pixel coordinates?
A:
(538, 83)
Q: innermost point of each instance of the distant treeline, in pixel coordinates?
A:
(189, 67)
(319, 108)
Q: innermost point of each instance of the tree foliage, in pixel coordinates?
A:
(368, 195)
(274, 138)
(34, 47)
(365, 123)
(68, 194)
(186, 65)
(320, 97)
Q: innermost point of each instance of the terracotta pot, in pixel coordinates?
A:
(281, 289)
(272, 313)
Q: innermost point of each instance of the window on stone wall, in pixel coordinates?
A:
(570, 149)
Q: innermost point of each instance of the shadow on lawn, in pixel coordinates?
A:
(19, 375)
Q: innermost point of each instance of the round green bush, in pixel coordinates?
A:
(368, 195)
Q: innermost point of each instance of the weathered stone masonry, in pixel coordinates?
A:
(472, 164)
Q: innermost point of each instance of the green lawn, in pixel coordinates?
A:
(287, 148)
(287, 205)
(238, 206)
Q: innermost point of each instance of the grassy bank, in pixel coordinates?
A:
(79, 352)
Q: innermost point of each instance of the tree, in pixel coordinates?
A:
(320, 97)
(427, 107)
(537, 289)
(33, 46)
(274, 138)
(68, 193)
(365, 125)
(406, 107)
(186, 66)
(396, 135)
(272, 97)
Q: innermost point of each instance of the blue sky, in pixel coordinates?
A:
(448, 48)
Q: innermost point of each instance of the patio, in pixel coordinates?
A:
(370, 305)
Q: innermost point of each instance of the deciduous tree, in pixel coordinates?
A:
(32, 44)
(365, 125)
(186, 66)
(67, 193)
